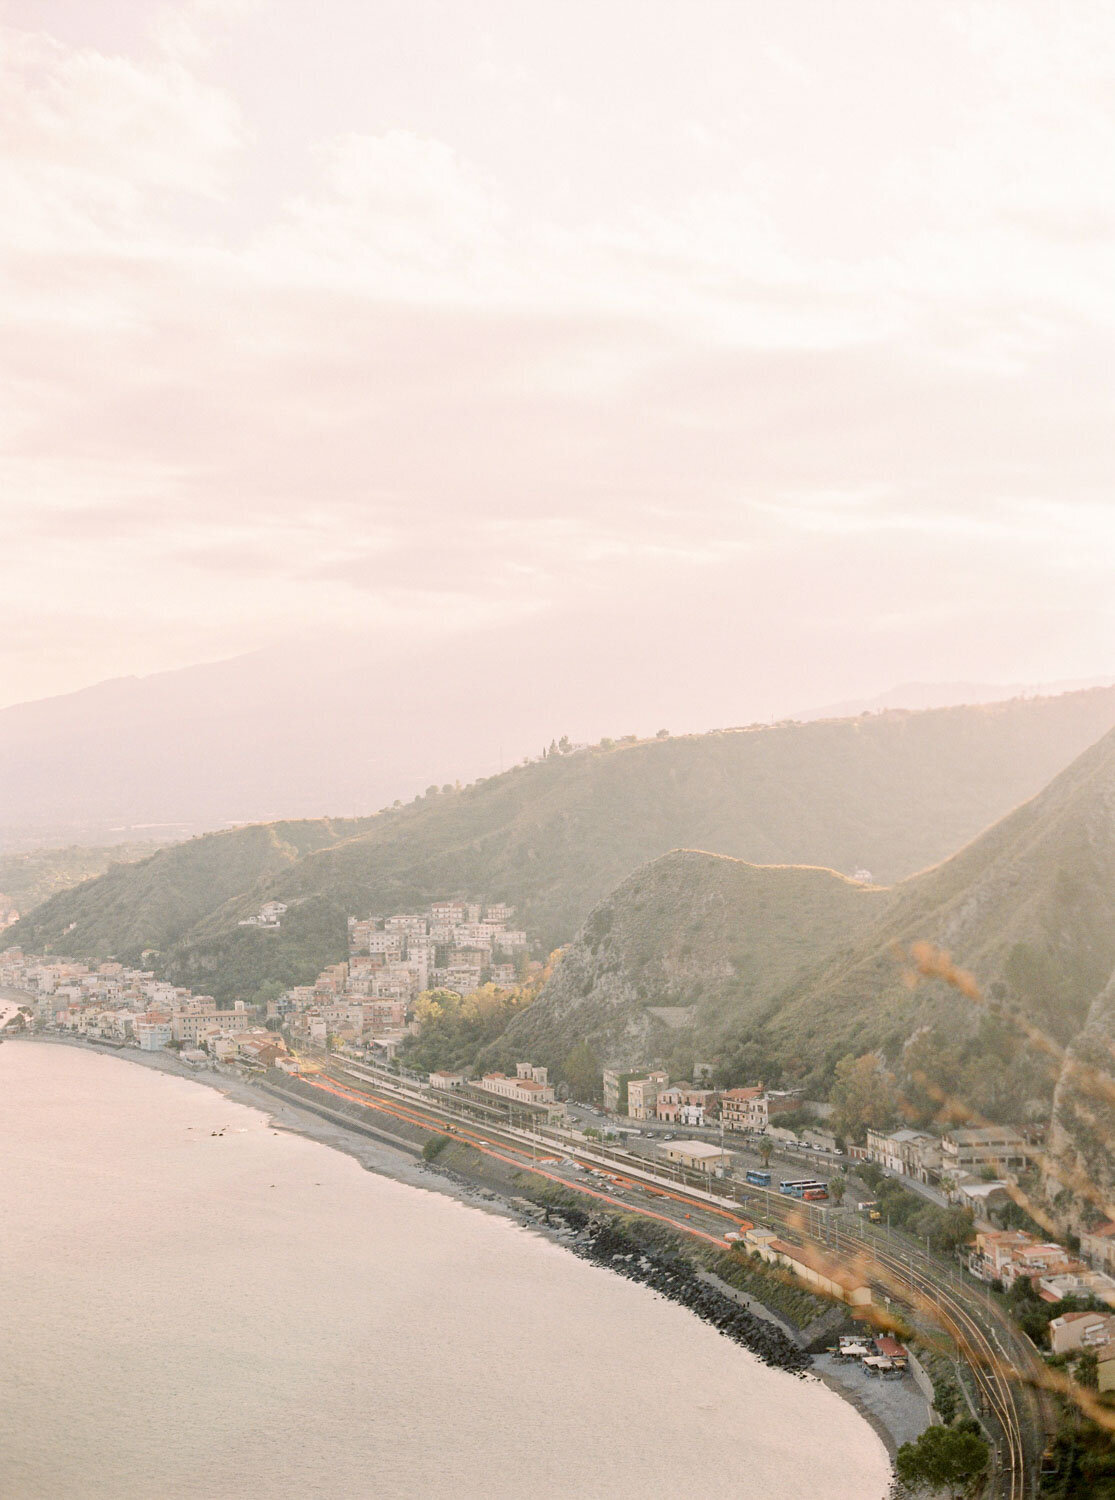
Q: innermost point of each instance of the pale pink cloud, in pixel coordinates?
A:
(480, 318)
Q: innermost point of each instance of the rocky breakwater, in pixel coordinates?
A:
(671, 1275)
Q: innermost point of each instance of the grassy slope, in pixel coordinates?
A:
(890, 792)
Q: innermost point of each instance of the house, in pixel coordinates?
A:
(684, 1106)
(442, 1080)
(615, 1089)
(744, 1109)
(994, 1250)
(1080, 1330)
(811, 1267)
(1077, 1282)
(906, 1153)
(698, 1156)
(981, 1197)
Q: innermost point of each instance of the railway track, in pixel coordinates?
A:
(989, 1366)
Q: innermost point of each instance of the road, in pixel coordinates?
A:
(992, 1347)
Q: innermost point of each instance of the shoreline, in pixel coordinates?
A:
(402, 1163)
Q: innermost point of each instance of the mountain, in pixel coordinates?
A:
(804, 967)
(888, 794)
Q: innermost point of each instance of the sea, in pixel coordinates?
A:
(196, 1306)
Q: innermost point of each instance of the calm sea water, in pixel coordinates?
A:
(252, 1314)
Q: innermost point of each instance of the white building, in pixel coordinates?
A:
(152, 1036)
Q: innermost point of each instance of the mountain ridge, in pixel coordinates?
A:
(889, 793)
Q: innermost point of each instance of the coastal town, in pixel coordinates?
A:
(367, 1000)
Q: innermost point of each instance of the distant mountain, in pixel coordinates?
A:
(888, 794)
(919, 695)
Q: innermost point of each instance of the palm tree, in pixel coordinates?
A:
(766, 1150)
(838, 1182)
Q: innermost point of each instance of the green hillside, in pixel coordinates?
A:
(32, 877)
(689, 948)
(889, 793)
(147, 906)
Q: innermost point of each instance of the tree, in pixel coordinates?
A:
(582, 1072)
(663, 734)
(862, 1096)
(766, 1150)
(946, 1229)
(838, 1183)
(949, 1458)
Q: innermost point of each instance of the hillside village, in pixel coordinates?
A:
(367, 1001)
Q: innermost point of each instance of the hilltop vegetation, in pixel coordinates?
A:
(889, 793)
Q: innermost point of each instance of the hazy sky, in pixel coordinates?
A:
(777, 334)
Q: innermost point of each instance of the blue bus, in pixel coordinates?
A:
(798, 1187)
(759, 1179)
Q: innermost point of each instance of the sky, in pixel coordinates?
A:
(770, 342)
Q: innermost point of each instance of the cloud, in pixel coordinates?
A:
(501, 331)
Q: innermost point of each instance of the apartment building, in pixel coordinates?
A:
(642, 1095)
(186, 1025)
